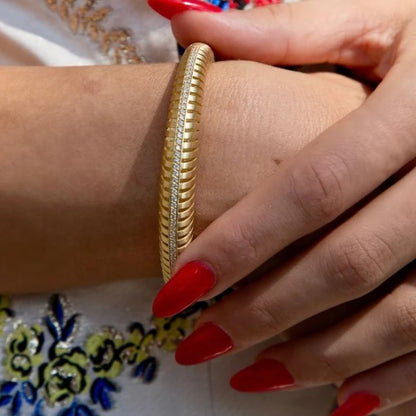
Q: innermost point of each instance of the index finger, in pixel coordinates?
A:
(350, 32)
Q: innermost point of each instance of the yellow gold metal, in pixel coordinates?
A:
(179, 161)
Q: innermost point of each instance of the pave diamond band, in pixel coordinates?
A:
(179, 161)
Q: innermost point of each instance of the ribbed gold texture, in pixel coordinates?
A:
(179, 160)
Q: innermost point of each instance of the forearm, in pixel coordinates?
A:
(81, 150)
(80, 156)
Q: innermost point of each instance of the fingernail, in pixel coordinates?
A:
(262, 3)
(359, 404)
(206, 342)
(184, 288)
(263, 375)
(168, 8)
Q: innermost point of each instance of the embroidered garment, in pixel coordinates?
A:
(99, 351)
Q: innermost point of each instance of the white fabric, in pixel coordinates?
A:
(33, 34)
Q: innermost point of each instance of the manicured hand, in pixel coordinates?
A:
(373, 352)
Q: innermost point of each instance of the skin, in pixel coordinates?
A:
(373, 349)
(81, 150)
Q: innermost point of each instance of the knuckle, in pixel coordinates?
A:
(317, 189)
(331, 368)
(274, 12)
(357, 266)
(242, 242)
(404, 321)
(266, 318)
(410, 372)
(282, 13)
(278, 13)
(236, 250)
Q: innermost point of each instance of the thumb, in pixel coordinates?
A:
(313, 31)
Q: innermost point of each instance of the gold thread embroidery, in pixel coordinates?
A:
(87, 18)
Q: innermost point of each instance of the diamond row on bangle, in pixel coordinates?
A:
(178, 174)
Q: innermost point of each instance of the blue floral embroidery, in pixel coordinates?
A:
(80, 379)
(15, 395)
(77, 409)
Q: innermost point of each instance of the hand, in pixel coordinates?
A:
(241, 100)
(374, 350)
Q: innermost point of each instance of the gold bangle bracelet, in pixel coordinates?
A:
(179, 160)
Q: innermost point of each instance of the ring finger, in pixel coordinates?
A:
(380, 333)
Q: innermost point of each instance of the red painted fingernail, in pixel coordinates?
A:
(263, 375)
(184, 288)
(168, 8)
(206, 342)
(359, 404)
(261, 3)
